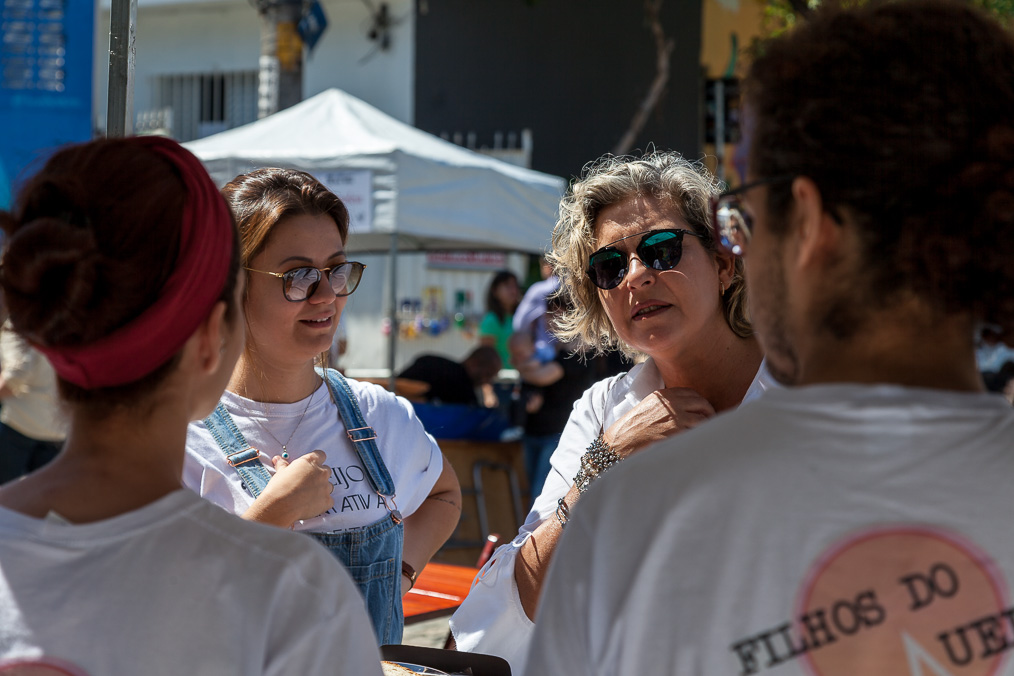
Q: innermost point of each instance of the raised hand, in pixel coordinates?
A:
(300, 489)
(661, 414)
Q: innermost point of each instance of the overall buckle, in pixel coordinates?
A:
(361, 434)
(248, 454)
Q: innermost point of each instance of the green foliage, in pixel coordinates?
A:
(782, 15)
(1002, 9)
(779, 17)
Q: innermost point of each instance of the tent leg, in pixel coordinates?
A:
(392, 343)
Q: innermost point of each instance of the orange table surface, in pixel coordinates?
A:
(439, 590)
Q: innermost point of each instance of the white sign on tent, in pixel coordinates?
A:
(355, 188)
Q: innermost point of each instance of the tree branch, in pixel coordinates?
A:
(663, 52)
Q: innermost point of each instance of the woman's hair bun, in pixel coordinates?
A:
(50, 279)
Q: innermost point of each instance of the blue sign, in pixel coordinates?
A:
(312, 25)
(45, 83)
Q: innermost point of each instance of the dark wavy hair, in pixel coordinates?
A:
(903, 116)
(92, 239)
(493, 303)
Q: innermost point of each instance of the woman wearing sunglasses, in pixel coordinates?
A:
(122, 267)
(635, 253)
(300, 446)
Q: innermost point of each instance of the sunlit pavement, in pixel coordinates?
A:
(431, 633)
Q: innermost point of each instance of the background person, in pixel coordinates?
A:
(538, 379)
(803, 532)
(32, 426)
(549, 390)
(635, 255)
(440, 380)
(297, 447)
(121, 266)
(502, 299)
(446, 396)
(530, 317)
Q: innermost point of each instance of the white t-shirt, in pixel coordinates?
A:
(178, 587)
(492, 620)
(34, 409)
(832, 530)
(411, 455)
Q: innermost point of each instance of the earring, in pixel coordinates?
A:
(721, 287)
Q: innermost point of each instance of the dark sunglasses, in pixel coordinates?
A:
(658, 249)
(733, 223)
(299, 284)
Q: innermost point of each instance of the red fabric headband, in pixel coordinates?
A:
(206, 241)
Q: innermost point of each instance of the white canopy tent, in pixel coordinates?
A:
(406, 190)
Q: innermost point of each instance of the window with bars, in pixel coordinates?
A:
(196, 105)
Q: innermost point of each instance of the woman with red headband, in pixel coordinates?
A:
(302, 447)
(121, 267)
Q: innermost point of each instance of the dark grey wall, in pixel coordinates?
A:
(574, 71)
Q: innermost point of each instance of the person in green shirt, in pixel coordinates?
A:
(502, 299)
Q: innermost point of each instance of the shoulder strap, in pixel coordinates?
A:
(362, 436)
(243, 457)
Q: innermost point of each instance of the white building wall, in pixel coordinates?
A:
(345, 58)
(204, 37)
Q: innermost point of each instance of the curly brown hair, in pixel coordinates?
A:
(666, 176)
(903, 116)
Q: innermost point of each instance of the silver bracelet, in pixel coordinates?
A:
(597, 459)
(562, 513)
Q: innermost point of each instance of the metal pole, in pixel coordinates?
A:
(120, 101)
(392, 344)
(720, 128)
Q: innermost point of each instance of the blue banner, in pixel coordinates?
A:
(46, 57)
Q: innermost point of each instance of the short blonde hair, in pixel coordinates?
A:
(666, 176)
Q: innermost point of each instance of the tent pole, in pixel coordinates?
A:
(392, 343)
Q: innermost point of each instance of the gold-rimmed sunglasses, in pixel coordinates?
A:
(298, 284)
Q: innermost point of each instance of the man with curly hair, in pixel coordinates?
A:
(859, 520)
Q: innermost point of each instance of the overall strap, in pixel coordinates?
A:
(362, 435)
(244, 458)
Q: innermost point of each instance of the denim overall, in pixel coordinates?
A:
(372, 554)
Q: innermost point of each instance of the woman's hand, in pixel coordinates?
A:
(661, 414)
(300, 489)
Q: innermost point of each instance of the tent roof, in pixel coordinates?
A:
(431, 192)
